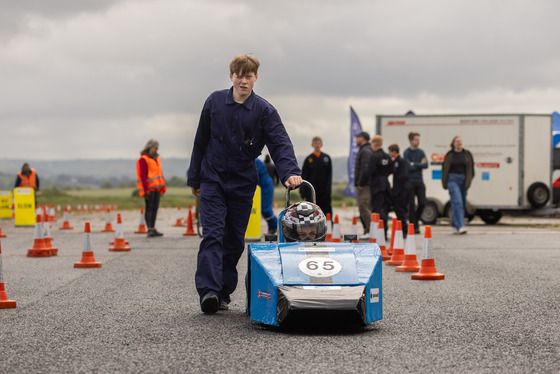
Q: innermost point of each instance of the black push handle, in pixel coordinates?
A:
(290, 188)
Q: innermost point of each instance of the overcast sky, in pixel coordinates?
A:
(98, 78)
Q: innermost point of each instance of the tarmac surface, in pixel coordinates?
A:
(496, 311)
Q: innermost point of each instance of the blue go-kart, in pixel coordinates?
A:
(301, 282)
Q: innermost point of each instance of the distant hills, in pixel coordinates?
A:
(94, 173)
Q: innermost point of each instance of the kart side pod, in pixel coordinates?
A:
(302, 281)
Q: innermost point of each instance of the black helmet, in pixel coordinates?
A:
(304, 222)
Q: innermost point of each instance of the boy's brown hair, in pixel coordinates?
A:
(244, 64)
(412, 134)
(394, 148)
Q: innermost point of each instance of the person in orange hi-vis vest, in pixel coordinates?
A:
(28, 177)
(150, 183)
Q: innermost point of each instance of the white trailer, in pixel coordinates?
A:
(512, 155)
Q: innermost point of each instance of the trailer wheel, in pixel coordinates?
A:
(490, 217)
(469, 211)
(538, 194)
(429, 213)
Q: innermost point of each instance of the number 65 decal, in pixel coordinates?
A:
(320, 267)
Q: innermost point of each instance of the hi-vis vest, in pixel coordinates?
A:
(29, 181)
(155, 175)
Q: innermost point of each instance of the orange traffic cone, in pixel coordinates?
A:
(2, 235)
(119, 242)
(355, 229)
(190, 228)
(410, 263)
(108, 226)
(381, 241)
(52, 214)
(48, 237)
(397, 257)
(328, 238)
(373, 224)
(65, 223)
(336, 230)
(179, 221)
(393, 229)
(39, 249)
(428, 267)
(5, 303)
(343, 204)
(87, 261)
(142, 224)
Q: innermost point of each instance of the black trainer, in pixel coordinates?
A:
(210, 303)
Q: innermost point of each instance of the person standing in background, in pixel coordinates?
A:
(317, 170)
(457, 175)
(361, 179)
(380, 167)
(401, 187)
(27, 177)
(267, 195)
(417, 161)
(150, 183)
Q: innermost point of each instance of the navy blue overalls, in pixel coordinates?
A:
(228, 139)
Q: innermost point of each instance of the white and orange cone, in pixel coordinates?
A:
(381, 241)
(108, 226)
(119, 242)
(65, 222)
(178, 220)
(190, 226)
(2, 235)
(410, 262)
(428, 269)
(373, 224)
(52, 214)
(39, 248)
(141, 224)
(328, 238)
(393, 230)
(336, 230)
(48, 237)
(88, 260)
(355, 229)
(397, 257)
(5, 303)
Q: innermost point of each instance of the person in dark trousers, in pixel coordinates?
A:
(457, 175)
(401, 186)
(150, 183)
(271, 170)
(235, 125)
(361, 179)
(317, 170)
(380, 167)
(267, 195)
(417, 161)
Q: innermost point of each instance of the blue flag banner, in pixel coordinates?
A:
(355, 129)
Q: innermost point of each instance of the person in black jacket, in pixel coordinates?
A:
(380, 167)
(401, 186)
(317, 170)
(361, 179)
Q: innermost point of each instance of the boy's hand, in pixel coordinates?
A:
(195, 191)
(293, 181)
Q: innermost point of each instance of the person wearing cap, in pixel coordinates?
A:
(361, 179)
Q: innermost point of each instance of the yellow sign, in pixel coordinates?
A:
(254, 227)
(5, 204)
(24, 203)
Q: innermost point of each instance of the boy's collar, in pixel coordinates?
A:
(247, 103)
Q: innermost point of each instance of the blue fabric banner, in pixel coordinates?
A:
(355, 129)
